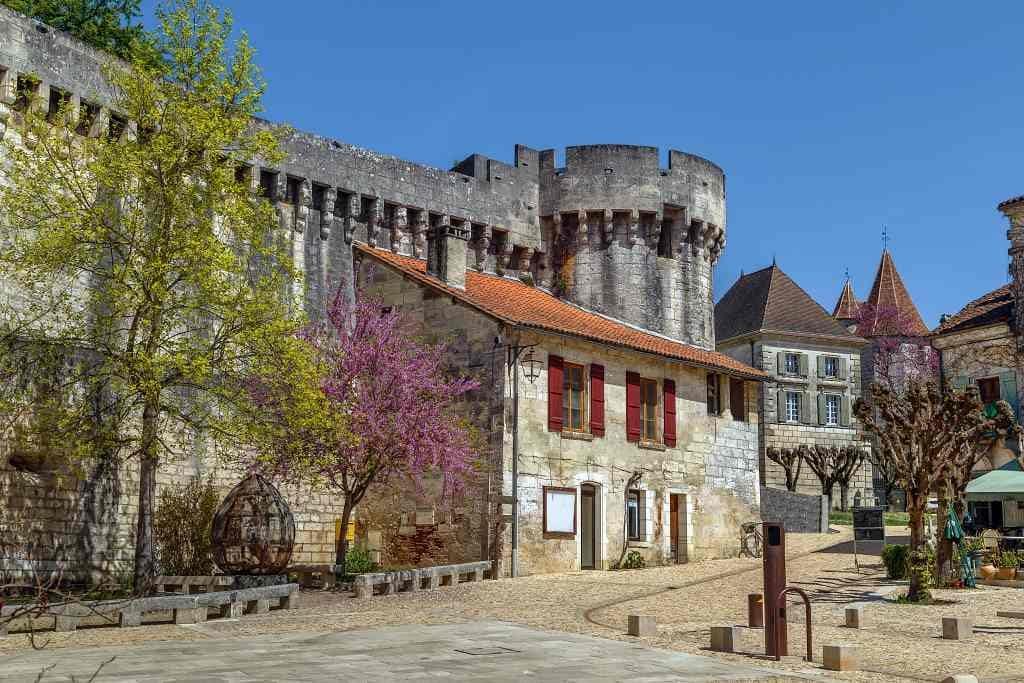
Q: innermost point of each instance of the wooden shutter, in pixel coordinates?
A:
(821, 366)
(842, 368)
(597, 400)
(556, 372)
(780, 361)
(641, 509)
(738, 399)
(844, 411)
(632, 406)
(669, 392)
(780, 405)
(805, 407)
(802, 358)
(822, 409)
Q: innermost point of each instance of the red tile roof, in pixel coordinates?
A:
(890, 294)
(994, 307)
(846, 307)
(516, 303)
(1010, 202)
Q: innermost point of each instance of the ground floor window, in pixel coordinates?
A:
(832, 408)
(636, 515)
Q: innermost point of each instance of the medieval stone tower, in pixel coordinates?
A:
(626, 238)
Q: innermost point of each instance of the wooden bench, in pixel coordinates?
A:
(411, 580)
(187, 609)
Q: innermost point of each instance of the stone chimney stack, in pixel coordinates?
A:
(1013, 209)
(446, 253)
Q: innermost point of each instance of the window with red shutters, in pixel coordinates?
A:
(597, 400)
(555, 378)
(632, 406)
(669, 391)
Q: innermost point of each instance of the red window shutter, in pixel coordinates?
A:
(597, 400)
(555, 378)
(670, 412)
(632, 406)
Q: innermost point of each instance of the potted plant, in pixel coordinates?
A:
(987, 568)
(1020, 565)
(1008, 563)
(974, 548)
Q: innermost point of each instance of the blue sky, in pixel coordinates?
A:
(830, 119)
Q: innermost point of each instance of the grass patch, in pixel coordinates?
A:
(841, 518)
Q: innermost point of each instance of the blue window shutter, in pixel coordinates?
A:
(1008, 391)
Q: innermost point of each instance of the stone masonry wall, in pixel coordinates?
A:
(800, 513)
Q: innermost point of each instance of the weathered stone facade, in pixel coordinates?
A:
(612, 232)
(712, 469)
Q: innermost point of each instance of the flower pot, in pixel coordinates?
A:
(1006, 573)
(987, 571)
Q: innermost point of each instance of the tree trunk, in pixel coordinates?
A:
(341, 550)
(145, 560)
(791, 481)
(844, 497)
(944, 547)
(827, 492)
(915, 509)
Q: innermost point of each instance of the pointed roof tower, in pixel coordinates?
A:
(846, 307)
(769, 301)
(894, 311)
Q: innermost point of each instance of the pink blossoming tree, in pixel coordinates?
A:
(375, 405)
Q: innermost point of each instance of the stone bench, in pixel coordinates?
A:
(411, 580)
(192, 584)
(187, 609)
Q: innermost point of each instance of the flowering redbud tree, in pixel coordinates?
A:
(375, 405)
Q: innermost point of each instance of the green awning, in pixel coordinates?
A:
(997, 482)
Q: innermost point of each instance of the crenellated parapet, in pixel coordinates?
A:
(633, 240)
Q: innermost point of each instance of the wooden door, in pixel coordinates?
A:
(674, 525)
(588, 537)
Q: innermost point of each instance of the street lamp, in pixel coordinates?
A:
(531, 371)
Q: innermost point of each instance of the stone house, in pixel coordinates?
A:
(598, 400)
(768, 321)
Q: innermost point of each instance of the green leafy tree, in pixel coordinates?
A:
(147, 255)
(108, 25)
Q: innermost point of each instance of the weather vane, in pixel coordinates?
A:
(885, 238)
(847, 273)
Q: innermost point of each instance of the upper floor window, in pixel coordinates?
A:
(574, 391)
(830, 366)
(649, 410)
(792, 406)
(833, 403)
(792, 364)
(989, 389)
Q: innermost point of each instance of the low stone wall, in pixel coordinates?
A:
(411, 580)
(799, 512)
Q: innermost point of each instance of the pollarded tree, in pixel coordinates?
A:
(378, 405)
(790, 460)
(929, 439)
(834, 465)
(144, 250)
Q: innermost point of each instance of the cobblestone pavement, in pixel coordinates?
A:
(898, 642)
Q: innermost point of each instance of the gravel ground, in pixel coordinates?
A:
(898, 642)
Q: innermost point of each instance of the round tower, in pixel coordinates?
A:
(629, 239)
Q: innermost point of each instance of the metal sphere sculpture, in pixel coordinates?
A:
(253, 529)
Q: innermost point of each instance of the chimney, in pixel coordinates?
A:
(1013, 209)
(446, 253)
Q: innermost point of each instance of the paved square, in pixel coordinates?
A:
(476, 651)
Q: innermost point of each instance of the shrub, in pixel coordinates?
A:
(1008, 560)
(357, 561)
(895, 558)
(634, 560)
(181, 528)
